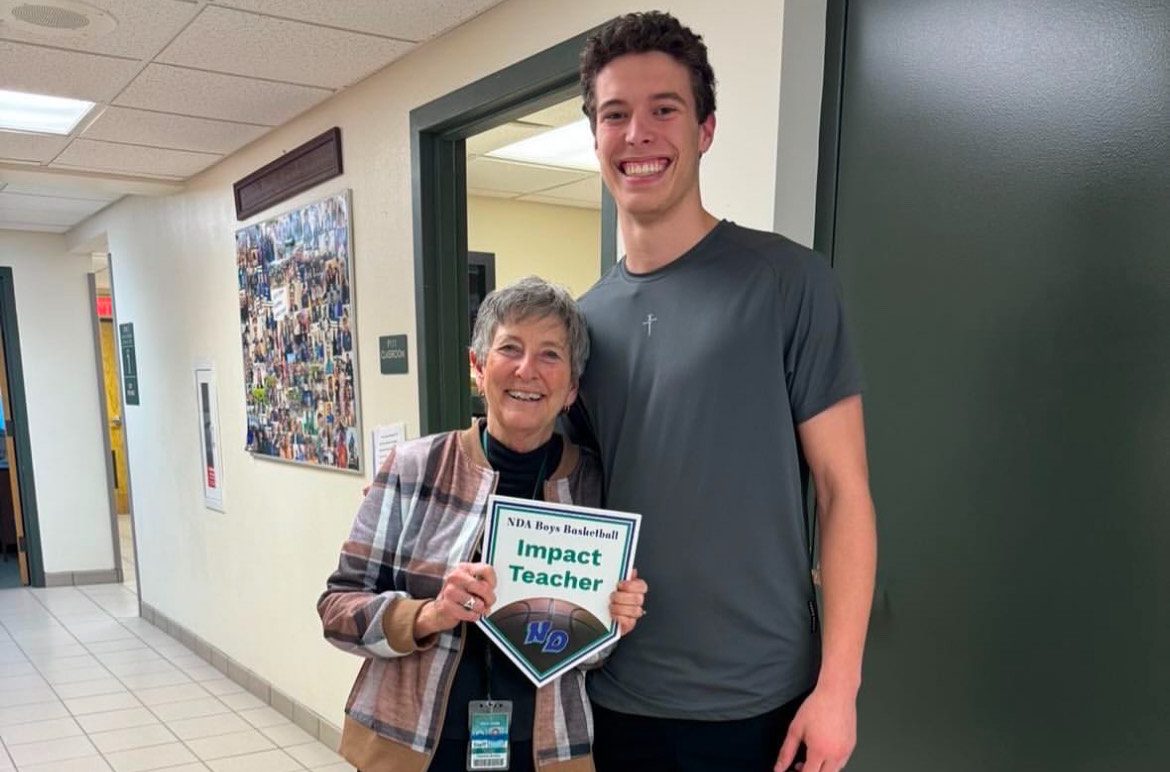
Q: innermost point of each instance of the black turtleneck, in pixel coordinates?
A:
(521, 475)
(519, 471)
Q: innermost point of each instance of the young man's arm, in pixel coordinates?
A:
(834, 446)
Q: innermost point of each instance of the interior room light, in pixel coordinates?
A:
(569, 146)
(36, 112)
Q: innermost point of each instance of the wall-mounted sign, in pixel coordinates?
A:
(299, 169)
(211, 468)
(129, 363)
(105, 307)
(382, 441)
(392, 353)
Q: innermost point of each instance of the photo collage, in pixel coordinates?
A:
(297, 329)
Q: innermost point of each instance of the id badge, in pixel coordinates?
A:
(489, 722)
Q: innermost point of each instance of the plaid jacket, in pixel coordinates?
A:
(424, 513)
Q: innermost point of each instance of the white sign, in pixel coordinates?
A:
(211, 466)
(556, 565)
(382, 439)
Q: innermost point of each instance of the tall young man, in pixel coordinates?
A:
(720, 377)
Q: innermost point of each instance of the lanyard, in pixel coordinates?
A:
(487, 650)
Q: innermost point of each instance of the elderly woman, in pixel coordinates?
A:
(408, 583)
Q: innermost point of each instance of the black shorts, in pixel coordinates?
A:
(628, 743)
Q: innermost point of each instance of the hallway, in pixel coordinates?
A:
(87, 685)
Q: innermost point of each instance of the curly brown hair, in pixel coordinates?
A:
(639, 33)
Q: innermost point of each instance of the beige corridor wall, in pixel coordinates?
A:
(61, 393)
(247, 580)
(559, 243)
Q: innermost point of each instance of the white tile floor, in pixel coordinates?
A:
(85, 685)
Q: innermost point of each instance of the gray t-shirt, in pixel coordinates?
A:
(699, 374)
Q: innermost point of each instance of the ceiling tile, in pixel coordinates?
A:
(211, 95)
(263, 47)
(587, 190)
(133, 159)
(143, 27)
(494, 139)
(558, 115)
(537, 198)
(51, 188)
(49, 71)
(489, 193)
(403, 19)
(141, 127)
(46, 210)
(17, 225)
(18, 146)
(507, 177)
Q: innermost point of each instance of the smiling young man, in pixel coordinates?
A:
(721, 376)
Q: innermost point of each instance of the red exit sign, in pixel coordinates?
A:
(105, 307)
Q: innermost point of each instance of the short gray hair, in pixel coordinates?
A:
(528, 298)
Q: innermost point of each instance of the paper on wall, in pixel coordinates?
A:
(382, 439)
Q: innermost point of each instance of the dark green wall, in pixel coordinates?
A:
(1003, 237)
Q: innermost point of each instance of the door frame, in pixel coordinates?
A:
(126, 442)
(19, 427)
(825, 226)
(439, 197)
(105, 413)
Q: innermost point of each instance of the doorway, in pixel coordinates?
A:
(533, 206)
(443, 132)
(1002, 237)
(110, 387)
(13, 560)
(20, 556)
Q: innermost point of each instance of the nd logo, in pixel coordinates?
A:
(554, 641)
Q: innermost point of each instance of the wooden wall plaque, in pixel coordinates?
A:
(301, 168)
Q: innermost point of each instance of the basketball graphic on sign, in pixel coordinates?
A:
(547, 630)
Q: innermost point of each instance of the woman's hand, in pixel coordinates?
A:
(467, 593)
(625, 603)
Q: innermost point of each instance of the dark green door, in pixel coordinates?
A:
(1003, 237)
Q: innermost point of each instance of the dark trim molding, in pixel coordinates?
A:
(18, 424)
(440, 276)
(609, 228)
(831, 101)
(77, 578)
(439, 185)
(299, 169)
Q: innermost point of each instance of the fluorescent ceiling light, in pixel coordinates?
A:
(569, 146)
(35, 112)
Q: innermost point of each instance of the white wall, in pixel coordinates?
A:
(247, 580)
(560, 243)
(801, 81)
(54, 319)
